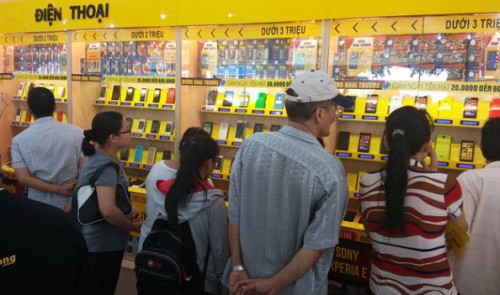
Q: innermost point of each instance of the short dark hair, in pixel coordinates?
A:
(490, 139)
(41, 102)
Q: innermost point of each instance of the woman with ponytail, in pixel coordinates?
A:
(190, 198)
(107, 240)
(405, 208)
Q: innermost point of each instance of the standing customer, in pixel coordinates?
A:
(287, 197)
(189, 197)
(46, 157)
(106, 240)
(405, 208)
(162, 170)
(477, 271)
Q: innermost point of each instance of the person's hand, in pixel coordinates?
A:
(234, 277)
(136, 214)
(256, 287)
(136, 226)
(432, 166)
(67, 188)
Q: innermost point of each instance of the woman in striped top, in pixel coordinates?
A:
(405, 208)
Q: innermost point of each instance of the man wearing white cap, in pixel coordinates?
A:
(287, 197)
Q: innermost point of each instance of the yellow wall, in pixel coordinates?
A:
(20, 15)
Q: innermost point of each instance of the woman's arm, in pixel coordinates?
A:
(106, 197)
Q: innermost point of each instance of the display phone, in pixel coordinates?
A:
(343, 140)
(275, 127)
(130, 94)
(31, 86)
(208, 126)
(139, 149)
(421, 102)
(364, 142)
(51, 88)
(102, 93)
(124, 153)
(116, 92)
(470, 107)
(61, 91)
(491, 60)
(350, 215)
(261, 100)
(467, 151)
(383, 148)
(212, 97)
(495, 108)
(151, 155)
(245, 98)
(171, 95)
(18, 115)
(218, 163)
(443, 145)
(240, 130)
(353, 60)
(142, 125)
(156, 95)
(228, 98)
(279, 101)
(155, 126)
(130, 121)
(20, 89)
(258, 127)
(166, 155)
(223, 130)
(169, 128)
(395, 103)
(350, 110)
(144, 95)
(371, 103)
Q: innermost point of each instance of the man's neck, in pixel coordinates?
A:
(302, 126)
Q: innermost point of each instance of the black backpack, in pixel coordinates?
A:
(167, 262)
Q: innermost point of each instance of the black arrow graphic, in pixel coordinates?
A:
(373, 27)
(85, 36)
(14, 39)
(94, 36)
(226, 32)
(6, 38)
(392, 26)
(354, 27)
(413, 25)
(104, 35)
(74, 36)
(115, 35)
(22, 37)
(186, 34)
(212, 33)
(240, 32)
(199, 33)
(336, 28)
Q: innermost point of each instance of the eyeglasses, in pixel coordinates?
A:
(126, 131)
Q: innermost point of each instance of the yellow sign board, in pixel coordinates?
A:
(41, 38)
(262, 31)
(377, 26)
(264, 83)
(485, 23)
(139, 34)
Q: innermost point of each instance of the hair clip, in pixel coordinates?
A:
(398, 132)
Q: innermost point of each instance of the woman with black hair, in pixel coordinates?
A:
(405, 208)
(107, 240)
(190, 198)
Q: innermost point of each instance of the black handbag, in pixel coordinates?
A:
(85, 202)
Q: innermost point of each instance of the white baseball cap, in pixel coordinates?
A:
(317, 86)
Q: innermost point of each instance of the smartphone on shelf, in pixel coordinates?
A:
(467, 151)
(144, 95)
(18, 115)
(124, 153)
(218, 164)
(383, 148)
(228, 98)
(261, 100)
(443, 145)
(151, 155)
(116, 92)
(169, 128)
(258, 127)
(240, 130)
(208, 126)
(343, 140)
(212, 97)
(130, 94)
(155, 126)
(166, 155)
(350, 110)
(142, 125)
(156, 95)
(130, 121)
(102, 93)
(371, 103)
(20, 89)
(470, 107)
(245, 98)
(223, 130)
(279, 101)
(139, 150)
(51, 88)
(171, 95)
(421, 102)
(61, 92)
(395, 103)
(364, 142)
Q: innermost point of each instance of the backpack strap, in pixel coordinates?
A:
(99, 171)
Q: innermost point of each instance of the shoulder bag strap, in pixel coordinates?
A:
(99, 171)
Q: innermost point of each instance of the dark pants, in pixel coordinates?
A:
(104, 272)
